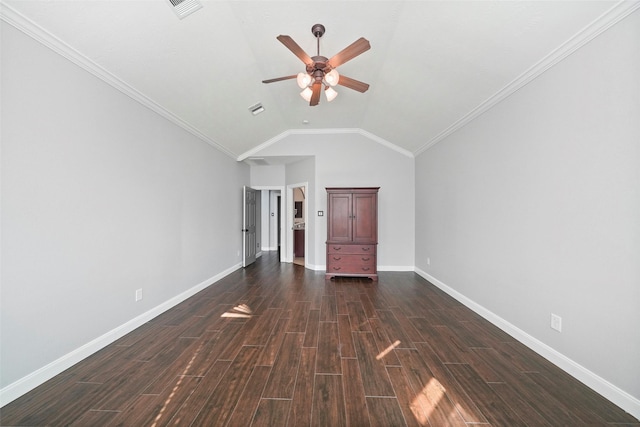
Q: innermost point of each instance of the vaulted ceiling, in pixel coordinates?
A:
(432, 66)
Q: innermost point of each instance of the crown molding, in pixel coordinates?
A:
(329, 131)
(30, 28)
(615, 14)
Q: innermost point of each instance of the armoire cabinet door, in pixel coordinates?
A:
(364, 216)
(340, 226)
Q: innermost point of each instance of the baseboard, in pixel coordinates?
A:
(395, 268)
(380, 267)
(621, 398)
(38, 377)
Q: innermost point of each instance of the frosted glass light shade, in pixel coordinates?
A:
(330, 93)
(306, 94)
(303, 80)
(332, 77)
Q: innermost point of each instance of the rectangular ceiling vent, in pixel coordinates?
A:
(183, 8)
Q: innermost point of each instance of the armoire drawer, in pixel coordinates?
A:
(351, 264)
(333, 248)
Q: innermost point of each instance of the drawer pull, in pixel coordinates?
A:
(337, 258)
(365, 268)
(366, 249)
(366, 259)
(337, 248)
(337, 268)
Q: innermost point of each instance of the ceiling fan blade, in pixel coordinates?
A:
(280, 79)
(352, 83)
(315, 97)
(297, 50)
(354, 49)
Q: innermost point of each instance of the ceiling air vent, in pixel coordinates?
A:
(183, 8)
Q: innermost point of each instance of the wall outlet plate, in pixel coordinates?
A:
(556, 322)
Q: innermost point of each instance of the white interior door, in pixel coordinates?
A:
(249, 242)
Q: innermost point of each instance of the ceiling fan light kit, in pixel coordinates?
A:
(320, 70)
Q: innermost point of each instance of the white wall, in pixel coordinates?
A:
(354, 160)
(534, 208)
(100, 197)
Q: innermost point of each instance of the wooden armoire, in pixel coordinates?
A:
(352, 232)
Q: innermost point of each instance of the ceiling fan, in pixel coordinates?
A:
(320, 71)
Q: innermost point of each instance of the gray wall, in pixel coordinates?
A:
(534, 208)
(100, 197)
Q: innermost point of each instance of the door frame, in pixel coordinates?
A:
(283, 243)
(289, 222)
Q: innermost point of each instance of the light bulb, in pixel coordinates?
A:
(332, 77)
(330, 93)
(306, 94)
(303, 80)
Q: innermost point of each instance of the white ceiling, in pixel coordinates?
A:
(432, 66)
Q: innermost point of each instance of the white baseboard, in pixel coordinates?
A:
(621, 398)
(380, 267)
(396, 268)
(38, 377)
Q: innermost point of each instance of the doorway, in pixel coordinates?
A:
(298, 214)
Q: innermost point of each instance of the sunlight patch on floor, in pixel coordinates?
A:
(242, 311)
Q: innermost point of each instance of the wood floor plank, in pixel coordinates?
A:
(329, 309)
(428, 391)
(465, 406)
(341, 303)
(94, 418)
(374, 375)
(299, 316)
(356, 404)
(446, 344)
(302, 403)
(394, 329)
(311, 332)
(184, 364)
(116, 393)
(220, 406)
(494, 409)
(367, 305)
(271, 412)
(520, 384)
(153, 409)
(272, 347)
(359, 320)
(385, 411)
(250, 398)
(328, 357)
(185, 415)
(281, 382)
(384, 344)
(415, 414)
(346, 340)
(259, 327)
(328, 402)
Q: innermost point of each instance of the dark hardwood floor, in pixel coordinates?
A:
(277, 345)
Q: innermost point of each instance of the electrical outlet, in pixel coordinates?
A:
(138, 294)
(556, 322)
